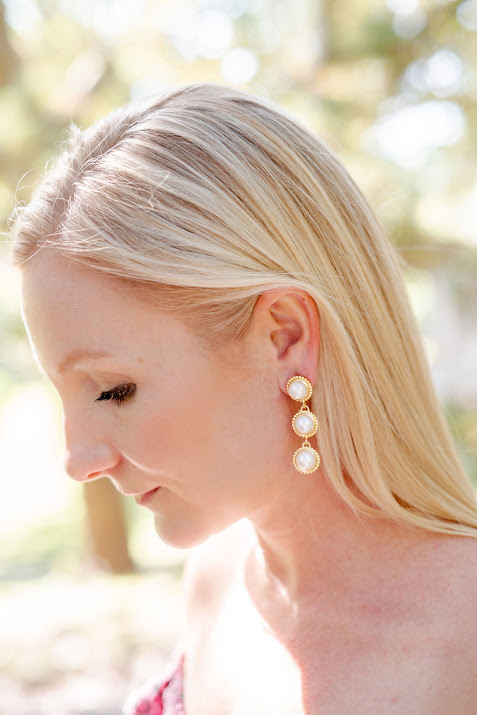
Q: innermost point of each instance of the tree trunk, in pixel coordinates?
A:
(7, 56)
(107, 527)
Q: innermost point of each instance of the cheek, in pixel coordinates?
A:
(190, 441)
(174, 427)
(215, 441)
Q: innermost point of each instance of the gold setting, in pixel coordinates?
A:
(307, 383)
(305, 410)
(309, 449)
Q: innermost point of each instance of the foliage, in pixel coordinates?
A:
(390, 86)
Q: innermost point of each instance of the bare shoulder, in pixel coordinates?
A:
(210, 567)
(455, 571)
(459, 585)
(460, 558)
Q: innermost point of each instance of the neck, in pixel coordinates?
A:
(310, 545)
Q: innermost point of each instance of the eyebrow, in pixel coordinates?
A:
(77, 355)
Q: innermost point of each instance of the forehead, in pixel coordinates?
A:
(70, 307)
(66, 305)
(52, 280)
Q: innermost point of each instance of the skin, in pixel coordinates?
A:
(213, 431)
(199, 425)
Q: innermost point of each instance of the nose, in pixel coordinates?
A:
(86, 464)
(87, 456)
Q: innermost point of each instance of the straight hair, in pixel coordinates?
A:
(203, 198)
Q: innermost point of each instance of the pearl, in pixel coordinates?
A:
(304, 424)
(297, 389)
(305, 459)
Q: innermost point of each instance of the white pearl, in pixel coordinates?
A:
(305, 459)
(297, 389)
(304, 424)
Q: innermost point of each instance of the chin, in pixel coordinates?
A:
(182, 535)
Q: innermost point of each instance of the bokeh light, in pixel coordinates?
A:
(391, 87)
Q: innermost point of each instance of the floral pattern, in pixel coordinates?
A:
(165, 699)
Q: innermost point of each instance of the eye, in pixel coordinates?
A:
(118, 394)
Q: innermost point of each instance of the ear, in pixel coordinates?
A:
(287, 325)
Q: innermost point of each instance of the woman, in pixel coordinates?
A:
(205, 263)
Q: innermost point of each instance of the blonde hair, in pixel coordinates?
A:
(208, 196)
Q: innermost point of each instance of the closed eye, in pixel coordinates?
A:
(118, 394)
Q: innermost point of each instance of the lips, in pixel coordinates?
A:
(144, 498)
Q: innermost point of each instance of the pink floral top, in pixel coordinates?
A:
(164, 698)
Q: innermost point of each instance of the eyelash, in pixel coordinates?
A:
(118, 394)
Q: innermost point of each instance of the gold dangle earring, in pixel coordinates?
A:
(305, 424)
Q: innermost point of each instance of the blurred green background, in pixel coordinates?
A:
(89, 601)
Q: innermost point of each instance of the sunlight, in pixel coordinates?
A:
(409, 134)
(239, 65)
(467, 15)
(33, 485)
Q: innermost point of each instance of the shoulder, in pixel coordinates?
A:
(460, 563)
(454, 580)
(210, 568)
(458, 588)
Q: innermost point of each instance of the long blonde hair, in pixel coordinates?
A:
(206, 197)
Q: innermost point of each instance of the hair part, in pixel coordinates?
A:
(202, 199)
